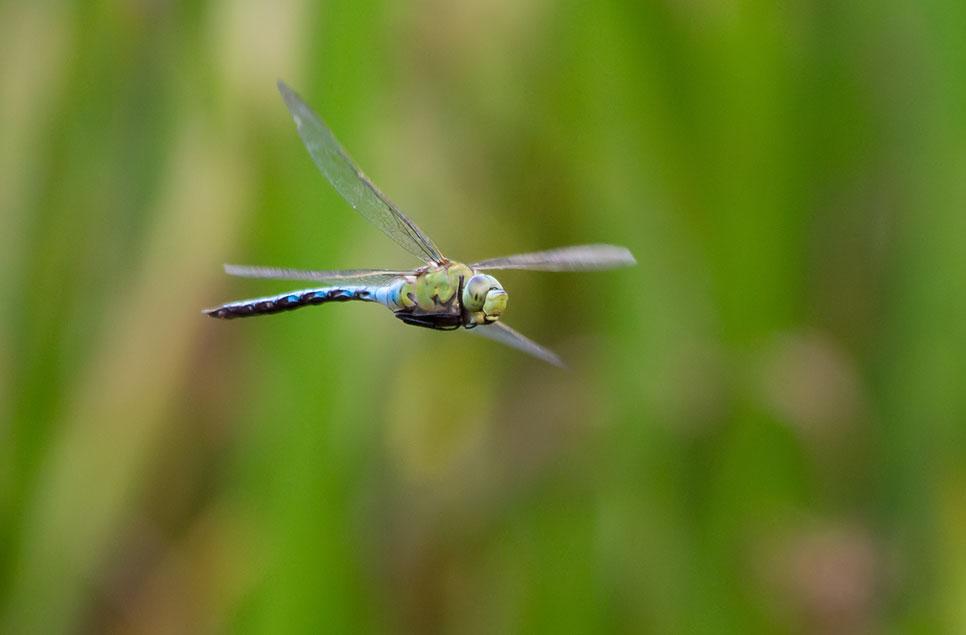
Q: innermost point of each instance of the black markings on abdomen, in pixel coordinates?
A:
(287, 302)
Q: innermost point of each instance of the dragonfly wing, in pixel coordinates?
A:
(348, 276)
(500, 332)
(351, 184)
(577, 258)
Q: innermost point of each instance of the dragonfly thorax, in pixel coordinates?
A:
(484, 299)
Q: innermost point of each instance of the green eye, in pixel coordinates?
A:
(475, 290)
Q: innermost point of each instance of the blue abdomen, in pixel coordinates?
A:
(290, 301)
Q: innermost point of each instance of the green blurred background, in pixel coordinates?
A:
(763, 427)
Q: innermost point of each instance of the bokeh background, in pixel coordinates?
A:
(762, 430)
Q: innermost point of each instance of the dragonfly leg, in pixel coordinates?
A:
(437, 321)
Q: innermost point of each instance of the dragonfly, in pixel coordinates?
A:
(442, 294)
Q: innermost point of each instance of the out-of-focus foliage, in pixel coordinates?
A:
(763, 428)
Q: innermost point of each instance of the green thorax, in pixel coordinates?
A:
(436, 289)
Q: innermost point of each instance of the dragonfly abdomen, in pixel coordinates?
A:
(292, 300)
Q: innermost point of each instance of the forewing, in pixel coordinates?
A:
(500, 332)
(348, 276)
(576, 258)
(350, 182)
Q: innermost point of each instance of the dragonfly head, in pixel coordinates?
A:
(484, 299)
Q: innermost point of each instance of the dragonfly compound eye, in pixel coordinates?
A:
(475, 290)
(484, 299)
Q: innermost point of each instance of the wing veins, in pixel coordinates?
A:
(346, 276)
(500, 332)
(575, 258)
(346, 178)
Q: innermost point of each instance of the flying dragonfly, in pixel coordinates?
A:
(442, 294)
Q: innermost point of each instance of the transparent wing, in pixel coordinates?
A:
(350, 182)
(348, 276)
(500, 332)
(577, 258)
